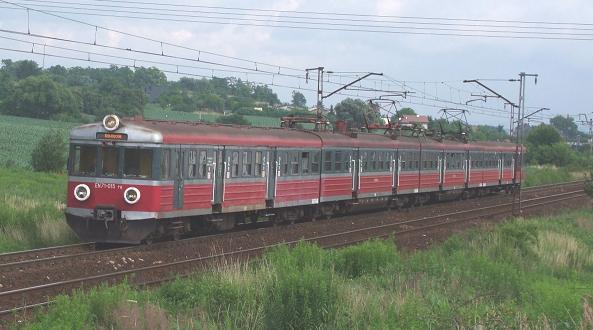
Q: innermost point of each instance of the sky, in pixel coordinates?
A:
(431, 66)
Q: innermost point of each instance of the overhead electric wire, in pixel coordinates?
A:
(199, 51)
(274, 18)
(343, 14)
(402, 30)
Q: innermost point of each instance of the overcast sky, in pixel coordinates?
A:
(432, 66)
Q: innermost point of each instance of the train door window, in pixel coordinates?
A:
(192, 164)
(247, 165)
(84, 160)
(294, 163)
(315, 162)
(203, 164)
(305, 162)
(258, 163)
(235, 164)
(165, 163)
(364, 161)
(327, 161)
(137, 163)
(338, 161)
(110, 161)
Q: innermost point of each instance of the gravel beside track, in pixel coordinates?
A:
(44, 253)
(31, 282)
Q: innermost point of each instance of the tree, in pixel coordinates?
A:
(41, 97)
(21, 69)
(566, 126)
(50, 153)
(354, 111)
(406, 112)
(146, 78)
(298, 99)
(543, 135)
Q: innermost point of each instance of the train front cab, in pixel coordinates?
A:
(114, 191)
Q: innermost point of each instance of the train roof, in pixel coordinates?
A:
(169, 132)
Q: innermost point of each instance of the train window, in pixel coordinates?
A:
(258, 163)
(305, 162)
(203, 161)
(138, 163)
(165, 163)
(84, 160)
(247, 168)
(110, 161)
(192, 164)
(338, 163)
(364, 161)
(294, 163)
(315, 162)
(284, 163)
(235, 164)
(327, 161)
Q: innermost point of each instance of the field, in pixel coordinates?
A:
(19, 136)
(32, 210)
(523, 274)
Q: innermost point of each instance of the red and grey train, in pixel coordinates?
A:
(135, 181)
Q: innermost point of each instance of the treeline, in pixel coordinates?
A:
(76, 94)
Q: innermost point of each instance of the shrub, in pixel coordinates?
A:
(234, 119)
(50, 153)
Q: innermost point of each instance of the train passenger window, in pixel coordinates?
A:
(305, 162)
(203, 161)
(192, 164)
(365, 161)
(403, 165)
(165, 163)
(84, 160)
(327, 161)
(138, 163)
(110, 161)
(315, 162)
(258, 163)
(247, 165)
(235, 164)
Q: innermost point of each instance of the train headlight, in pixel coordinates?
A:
(111, 122)
(132, 195)
(82, 192)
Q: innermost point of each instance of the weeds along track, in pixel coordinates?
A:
(33, 283)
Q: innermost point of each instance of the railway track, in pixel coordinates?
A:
(246, 245)
(45, 253)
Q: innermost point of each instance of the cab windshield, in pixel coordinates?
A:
(111, 162)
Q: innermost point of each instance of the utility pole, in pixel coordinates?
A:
(321, 97)
(584, 120)
(521, 134)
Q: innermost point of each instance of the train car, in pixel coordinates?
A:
(134, 181)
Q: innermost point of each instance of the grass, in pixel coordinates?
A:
(20, 135)
(540, 175)
(533, 273)
(32, 210)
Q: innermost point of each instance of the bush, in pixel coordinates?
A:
(50, 153)
(234, 119)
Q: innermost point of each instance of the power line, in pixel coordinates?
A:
(414, 30)
(274, 18)
(348, 15)
(198, 51)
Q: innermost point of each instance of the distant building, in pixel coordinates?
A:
(419, 120)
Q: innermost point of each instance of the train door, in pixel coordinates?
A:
(273, 171)
(441, 167)
(393, 163)
(177, 166)
(466, 167)
(219, 169)
(355, 170)
(398, 169)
